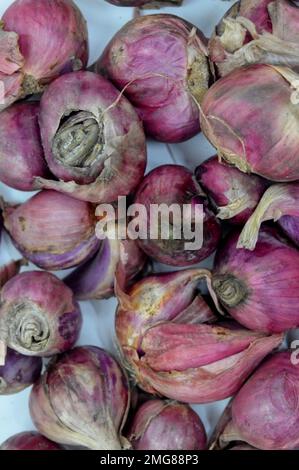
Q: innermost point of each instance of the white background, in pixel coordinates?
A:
(104, 20)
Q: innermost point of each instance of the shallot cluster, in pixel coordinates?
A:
(108, 218)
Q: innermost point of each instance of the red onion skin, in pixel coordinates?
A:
(170, 352)
(144, 3)
(150, 58)
(155, 190)
(95, 278)
(9, 270)
(53, 230)
(270, 37)
(29, 440)
(124, 148)
(19, 372)
(247, 137)
(263, 296)
(226, 186)
(265, 412)
(21, 152)
(53, 40)
(162, 425)
(39, 301)
(82, 399)
(290, 226)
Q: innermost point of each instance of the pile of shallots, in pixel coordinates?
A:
(185, 334)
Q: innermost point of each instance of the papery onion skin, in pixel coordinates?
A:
(19, 372)
(264, 412)
(29, 440)
(160, 62)
(252, 285)
(145, 3)
(52, 41)
(82, 399)
(256, 32)
(39, 316)
(280, 203)
(155, 189)
(21, 152)
(53, 230)
(95, 278)
(248, 137)
(169, 352)
(233, 193)
(99, 152)
(167, 425)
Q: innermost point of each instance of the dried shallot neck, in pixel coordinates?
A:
(26, 327)
(229, 290)
(79, 141)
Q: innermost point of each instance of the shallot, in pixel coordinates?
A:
(29, 440)
(19, 372)
(82, 399)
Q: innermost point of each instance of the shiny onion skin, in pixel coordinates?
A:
(260, 288)
(21, 152)
(53, 230)
(264, 413)
(160, 61)
(19, 372)
(29, 440)
(256, 32)
(233, 194)
(82, 400)
(92, 137)
(52, 40)
(166, 425)
(280, 203)
(237, 119)
(170, 351)
(145, 3)
(155, 189)
(38, 315)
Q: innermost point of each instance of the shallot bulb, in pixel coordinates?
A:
(95, 278)
(280, 203)
(38, 314)
(170, 352)
(53, 230)
(21, 152)
(29, 440)
(82, 399)
(145, 3)
(260, 288)
(256, 32)
(234, 194)
(92, 137)
(183, 190)
(236, 118)
(167, 425)
(40, 40)
(264, 412)
(160, 61)
(19, 372)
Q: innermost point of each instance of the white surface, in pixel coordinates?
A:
(98, 329)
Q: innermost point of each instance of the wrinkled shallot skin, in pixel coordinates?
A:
(171, 352)
(233, 194)
(21, 152)
(160, 62)
(92, 137)
(166, 425)
(29, 440)
(53, 40)
(238, 121)
(260, 288)
(256, 32)
(264, 413)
